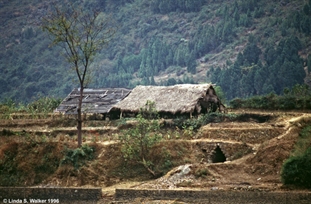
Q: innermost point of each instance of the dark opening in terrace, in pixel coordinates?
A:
(218, 156)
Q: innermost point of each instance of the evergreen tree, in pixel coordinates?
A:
(171, 81)
(309, 63)
(251, 54)
(191, 64)
(215, 75)
(270, 55)
(259, 80)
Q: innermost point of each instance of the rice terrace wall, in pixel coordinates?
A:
(49, 195)
(217, 196)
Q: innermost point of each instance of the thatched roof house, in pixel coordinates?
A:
(177, 99)
(94, 100)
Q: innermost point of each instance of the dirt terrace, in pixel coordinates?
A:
(254, 149)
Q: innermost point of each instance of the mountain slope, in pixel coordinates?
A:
(231, 43)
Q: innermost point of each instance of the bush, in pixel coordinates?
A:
(236, 103)
(196, 123)
(297, 170)
(304, 141)
(78, 156)
(44, 105)
(137, 141)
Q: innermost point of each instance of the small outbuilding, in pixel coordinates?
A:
(95, 101)
(182, 99)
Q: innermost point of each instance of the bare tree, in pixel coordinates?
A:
(81, 33)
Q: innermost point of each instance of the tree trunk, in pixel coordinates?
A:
(144, 163)
(79, 127)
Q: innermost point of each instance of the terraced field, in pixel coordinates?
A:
(241, 155)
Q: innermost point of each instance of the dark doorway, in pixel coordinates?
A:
(218, 156)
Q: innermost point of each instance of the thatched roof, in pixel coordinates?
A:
(183, 98)
(94, 100)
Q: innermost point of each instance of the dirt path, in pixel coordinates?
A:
(257, 170)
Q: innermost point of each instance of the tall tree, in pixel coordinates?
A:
(191, 64)
(81, 34)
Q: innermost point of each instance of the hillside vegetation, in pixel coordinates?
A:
(247, 47)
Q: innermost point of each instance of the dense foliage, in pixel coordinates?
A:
(77, 157)
(299, 97)
(247, 47)
(297, 169)
(263, 67)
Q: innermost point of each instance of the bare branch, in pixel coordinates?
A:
(81, 34)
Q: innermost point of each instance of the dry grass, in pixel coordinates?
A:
(260, 168)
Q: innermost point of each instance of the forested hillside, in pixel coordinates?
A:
(247, 47)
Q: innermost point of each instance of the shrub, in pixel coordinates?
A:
(236, 103)
(137, 141)
(149, 111)
(78, 156)
(304, 141)
(196, 123)
(201, 172)
(43, 105)
(297, 170)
